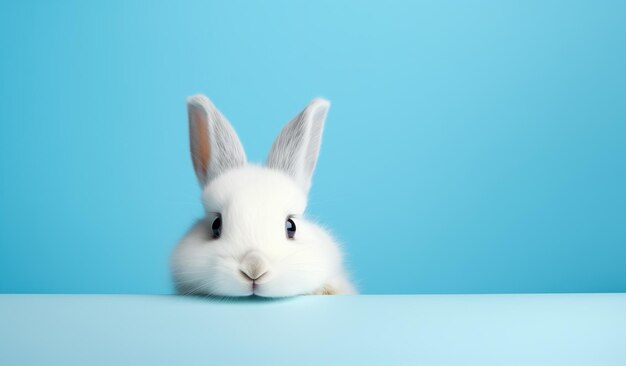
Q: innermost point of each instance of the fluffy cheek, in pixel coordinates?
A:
(190, 267)
(291, 283)
(205, 268)
(302, 272)
(224, 281)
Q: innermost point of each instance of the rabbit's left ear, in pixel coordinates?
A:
(297, 147)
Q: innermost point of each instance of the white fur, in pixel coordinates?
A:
(254, 203)
(296, 149)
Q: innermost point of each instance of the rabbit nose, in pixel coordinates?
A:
(253, 266)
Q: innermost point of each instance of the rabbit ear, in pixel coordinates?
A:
(214, 144)
(296, 149)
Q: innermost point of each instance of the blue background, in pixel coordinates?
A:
(471, 146)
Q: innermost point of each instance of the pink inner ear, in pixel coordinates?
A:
(199, 141)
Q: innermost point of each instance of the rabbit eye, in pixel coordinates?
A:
(290, 227)
(216, 228)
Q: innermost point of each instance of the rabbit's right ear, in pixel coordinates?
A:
(214, 144)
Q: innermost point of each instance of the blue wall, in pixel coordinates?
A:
(471, 146)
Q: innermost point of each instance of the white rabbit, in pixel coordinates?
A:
(254, 239)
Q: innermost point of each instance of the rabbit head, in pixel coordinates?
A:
(254, 238)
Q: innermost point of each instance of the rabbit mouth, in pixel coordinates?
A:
(256, 286)
(255, 282)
